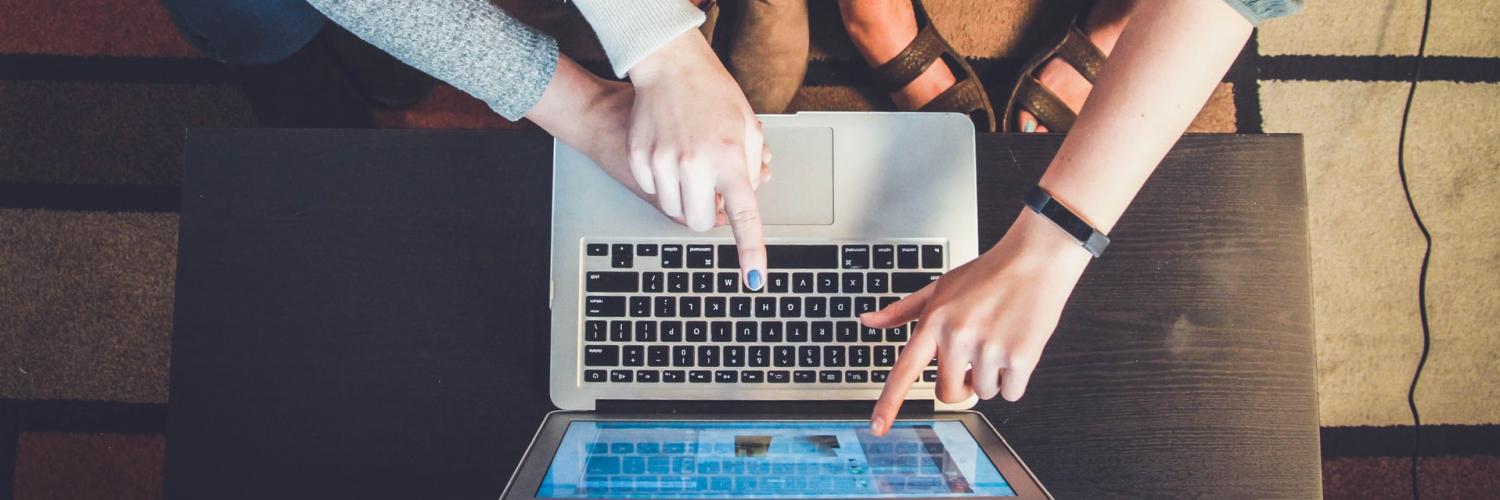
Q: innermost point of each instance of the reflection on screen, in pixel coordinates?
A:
(732, 459)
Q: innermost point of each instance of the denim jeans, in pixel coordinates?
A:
(246, 32)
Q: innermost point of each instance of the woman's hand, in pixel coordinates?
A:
(994, 314)
(695, 143)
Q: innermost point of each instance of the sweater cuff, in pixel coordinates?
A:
(632, 30)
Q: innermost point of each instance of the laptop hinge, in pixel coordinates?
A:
(670, 406)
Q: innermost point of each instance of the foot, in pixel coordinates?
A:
(880, 29)
(1103, 27)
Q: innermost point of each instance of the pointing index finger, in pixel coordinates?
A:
(744, 218)
(908, 367)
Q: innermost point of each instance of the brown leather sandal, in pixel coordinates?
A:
(1075, 49)
(966, 96)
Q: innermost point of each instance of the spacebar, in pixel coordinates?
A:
(802, 256)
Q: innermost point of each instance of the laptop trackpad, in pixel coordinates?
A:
(801, 187)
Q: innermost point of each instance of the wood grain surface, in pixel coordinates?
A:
(364, 314)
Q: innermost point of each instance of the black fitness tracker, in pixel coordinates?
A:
(1041, 202)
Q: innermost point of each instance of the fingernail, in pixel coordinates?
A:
(753, 279)
(876, 423)
(1029, 126)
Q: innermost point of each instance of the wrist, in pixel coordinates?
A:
(670, 59)
(1035, 239)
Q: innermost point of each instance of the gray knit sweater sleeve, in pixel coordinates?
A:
(470, 44)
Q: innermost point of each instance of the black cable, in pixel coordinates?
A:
(1411, 393)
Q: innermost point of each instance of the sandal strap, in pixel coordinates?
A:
(912, 61)
(1081, 53)
(966, 96)
(1049, 109)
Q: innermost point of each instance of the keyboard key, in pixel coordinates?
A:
(708, 355)
(883, 257)
(791, 307)
(671, 331)
(640, 307)
(696, 331)
(856, 376)
(729, 257)
(721, 332)
(739, 307)
(802, 256)
(907, 257)
(815, 307)
(745, 331)
(703, 282)
(648, 376)
(616, 281)
(601, 355)
(726, 377)
(621, 376)
(879, 376)
(633, 355)
(897, 334)
(846, 332)
(729, 282)
(682, 355)
(594, 330)
(885, 355)
(863, 305)
(666, 307)
(715, 307)
(796, 331)
(658, 355)
(929, 376)
(700, 376)
(778, 376)
(932, 256)
(833, 355)
(859, 355)
(869, 334)
(828, 282)
(598, 249)
(784, 355)
(839, 307)
(645, 250)
(594, 376)
(822, 331)
(700, 256)
(671, 256)
(677, 282)
(604, 306)
(830, 376)
(771, 332)
(690, 307)
(621, 255)
(856, 257)
(887, 301)
(809, 356)
(803, 282)
(878, 282)
(854, 283)
(673, 376)
(778, 283)
(734, 355)
(760, 356)
(653, 282)
(619, 331)
(752, 376)
(645, 331)
(804, 376)
(911, 282)
(765, 307)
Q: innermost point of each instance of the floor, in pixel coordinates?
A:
(94, 95)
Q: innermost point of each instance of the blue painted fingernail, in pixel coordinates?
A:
(1028, 127)
(753, 279)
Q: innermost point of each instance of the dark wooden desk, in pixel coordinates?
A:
(364, 314)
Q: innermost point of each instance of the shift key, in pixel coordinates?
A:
(911, 282)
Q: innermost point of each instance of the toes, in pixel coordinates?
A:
(1027, 122)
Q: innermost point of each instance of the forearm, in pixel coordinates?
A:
(1161, 72)
(470, 44)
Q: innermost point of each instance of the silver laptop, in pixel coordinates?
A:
(660, 354)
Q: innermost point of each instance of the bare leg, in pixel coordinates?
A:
(1103, 26)
(880, 29)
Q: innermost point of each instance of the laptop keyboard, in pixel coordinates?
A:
(677, 312)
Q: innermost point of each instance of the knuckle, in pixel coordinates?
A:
(744, 216)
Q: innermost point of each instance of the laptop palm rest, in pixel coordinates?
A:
(801, 189)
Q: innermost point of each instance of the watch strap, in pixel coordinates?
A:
(1042, 202)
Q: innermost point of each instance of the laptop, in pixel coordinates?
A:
(674, 380)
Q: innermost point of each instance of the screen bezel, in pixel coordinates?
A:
(527, 478)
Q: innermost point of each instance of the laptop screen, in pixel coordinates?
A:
(764, 459)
